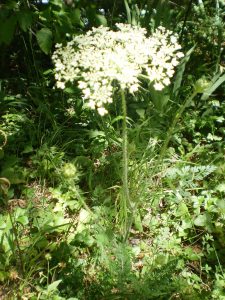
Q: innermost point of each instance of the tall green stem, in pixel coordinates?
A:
(125, 203)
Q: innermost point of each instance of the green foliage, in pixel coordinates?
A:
(60, 164)
(44, 39)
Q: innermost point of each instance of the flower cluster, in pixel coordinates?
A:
(102, 56)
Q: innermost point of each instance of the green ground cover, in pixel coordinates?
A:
(85, 215)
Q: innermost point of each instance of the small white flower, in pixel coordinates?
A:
(60, 85)
(102, 111)
(158, 86)
(91, 104)
(82, 85)
(166, 81)
(173, 39)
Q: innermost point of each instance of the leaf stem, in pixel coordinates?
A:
(125, 203)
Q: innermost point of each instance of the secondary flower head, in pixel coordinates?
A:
(102, 56)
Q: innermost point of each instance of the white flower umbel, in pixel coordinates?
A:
(103, 56)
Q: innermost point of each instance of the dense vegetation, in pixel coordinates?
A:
(64, 231)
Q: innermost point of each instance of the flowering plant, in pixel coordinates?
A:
(102, 57)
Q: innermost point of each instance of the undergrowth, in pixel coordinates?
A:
(62, 233)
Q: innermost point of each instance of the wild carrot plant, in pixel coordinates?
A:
(104, 61)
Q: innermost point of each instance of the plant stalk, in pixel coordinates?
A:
(125, 203)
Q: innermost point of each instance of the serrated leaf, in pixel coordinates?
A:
(44, 39)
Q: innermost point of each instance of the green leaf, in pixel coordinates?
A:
(182, 210)
(202, 220)
(25, 20)
(159, 98)
(70, 90)
(127, 11)
(23, 220)
(95, 133)
(101, 20)
(221, 187)
(116, 119)
(221, 205)
(53, 286)
(180, 71)
(76, 17)
(7, 29)
(13, 175)
(44, 39)
(137, 222)
(28, 149)
(212, 87)
(140, 112)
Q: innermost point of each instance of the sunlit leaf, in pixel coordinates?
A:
(44, 39)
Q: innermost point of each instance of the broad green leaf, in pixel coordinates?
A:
(182, 210)
(23, 220)
(44, 39)
(202, 220)
(14, 176)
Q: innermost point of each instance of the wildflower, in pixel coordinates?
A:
(102, 57)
